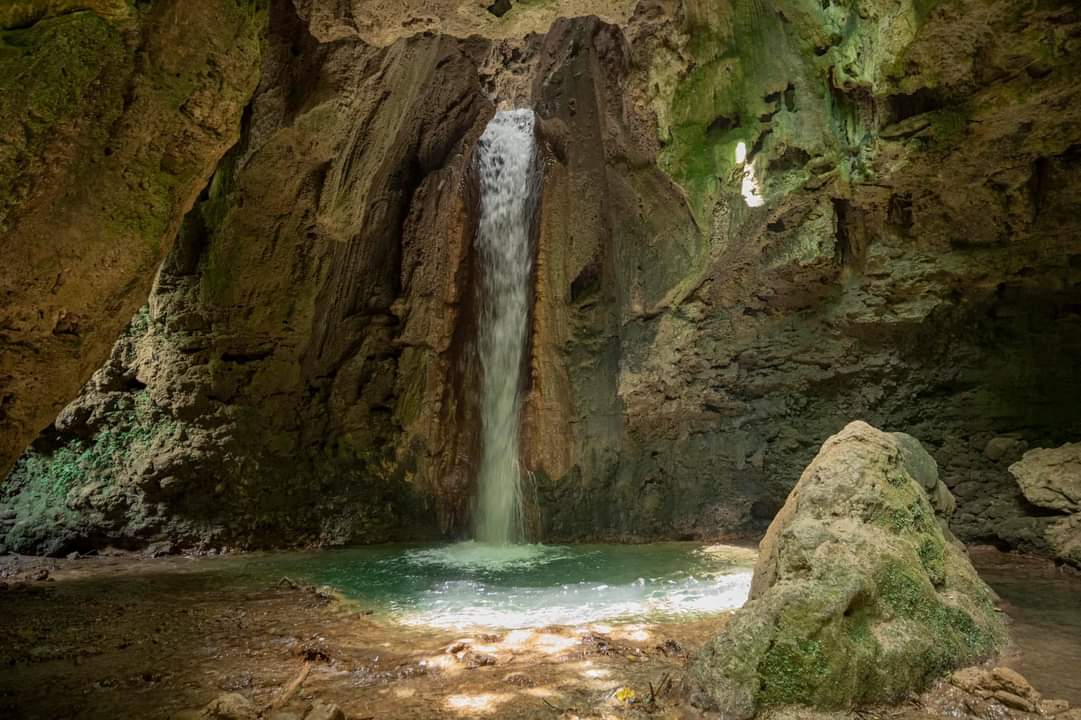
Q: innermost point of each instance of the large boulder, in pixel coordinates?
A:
(860, 594)
(1051, 477)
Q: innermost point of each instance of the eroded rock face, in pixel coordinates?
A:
(261, 396)
(914, 261)
(859, 595)
(111, 121)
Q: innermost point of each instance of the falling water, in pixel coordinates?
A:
(506, 166)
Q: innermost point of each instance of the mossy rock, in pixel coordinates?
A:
(860, 594)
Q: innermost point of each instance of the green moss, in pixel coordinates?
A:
(43, 486)
(792, 671)
(932, 557)
(956, 635)
(50, 74)
(950, 126)
(139, 324)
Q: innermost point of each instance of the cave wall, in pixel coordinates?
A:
(915, 264)
(112, 117)
(301, 373)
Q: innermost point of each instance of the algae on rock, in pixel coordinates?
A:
(859, 594)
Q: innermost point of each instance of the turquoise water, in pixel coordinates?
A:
(474, 585)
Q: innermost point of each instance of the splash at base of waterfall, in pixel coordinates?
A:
(472, 584)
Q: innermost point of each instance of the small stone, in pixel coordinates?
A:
(457, 648)
(1013, 701)
(1053, 707)
(231, 706)
(500, 8)
(475, 659)
(519, 679)
(970, 679)
(1013, 682)
(324, 711)
(671, 648)
(73, 556)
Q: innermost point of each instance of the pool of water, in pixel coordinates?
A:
(1044, 606)
(469, 584)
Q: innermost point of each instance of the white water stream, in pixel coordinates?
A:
(509, 181)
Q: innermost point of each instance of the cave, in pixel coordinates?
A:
(592, 358)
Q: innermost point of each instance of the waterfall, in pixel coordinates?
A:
(509, 178)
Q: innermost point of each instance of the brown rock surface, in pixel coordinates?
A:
(304, 371)
(1051, 477)
(111, 125)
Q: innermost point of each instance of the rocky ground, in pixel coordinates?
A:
(121, 636)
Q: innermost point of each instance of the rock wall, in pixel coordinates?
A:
(759, 221)
(112, 117)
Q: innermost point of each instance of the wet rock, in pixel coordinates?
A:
(1053, 706)
(859, 595)
(1013, 682)
(321, 710)
(231, 706)
(1013, 701)
(1051, 477)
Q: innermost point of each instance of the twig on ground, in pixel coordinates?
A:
(292, 688)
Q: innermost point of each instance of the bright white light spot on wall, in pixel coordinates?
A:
(749, 189)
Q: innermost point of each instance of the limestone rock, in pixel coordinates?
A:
(1064, 539)
(858, 595)
(1051, 477)
(324, 711)
(112, 122)
(231, 706)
